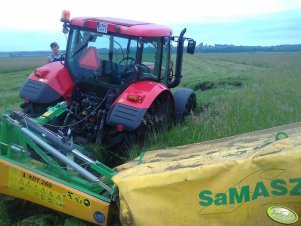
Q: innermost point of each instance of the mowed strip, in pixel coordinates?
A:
(10, 84)
(13, 73)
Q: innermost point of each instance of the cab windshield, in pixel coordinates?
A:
(109, 60)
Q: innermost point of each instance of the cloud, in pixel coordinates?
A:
(45, 15)
(30, 40)
(270, 29)
(264, 29)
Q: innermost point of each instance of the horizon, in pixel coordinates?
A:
(197, 46)
(247, 23)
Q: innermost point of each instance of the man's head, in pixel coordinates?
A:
(54, 47)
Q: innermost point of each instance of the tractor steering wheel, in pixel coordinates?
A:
(127, 61)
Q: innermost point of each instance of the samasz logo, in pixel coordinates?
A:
(277, 187)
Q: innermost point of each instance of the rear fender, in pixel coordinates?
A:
(129, 113)
(48, 84)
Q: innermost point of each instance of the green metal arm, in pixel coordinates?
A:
(18, 148)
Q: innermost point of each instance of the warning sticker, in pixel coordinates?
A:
(47, 113)
(33, 186)
(78, 199)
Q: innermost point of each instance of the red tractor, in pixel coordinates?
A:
(116, 78)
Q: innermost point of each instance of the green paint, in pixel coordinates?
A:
(52, 113)
(260, 190)
(44, 164)
(297, 188)
(236, 197)
(280, 134)
(279, 186)
(205, 196)
(220, 199)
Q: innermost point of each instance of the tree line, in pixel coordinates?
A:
(217, 48)
(201, 48)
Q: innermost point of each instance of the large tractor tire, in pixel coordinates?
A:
(158, 118)
(160, 115)
(190, 105)
(185, 103)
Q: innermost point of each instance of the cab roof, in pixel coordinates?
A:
(122, 26)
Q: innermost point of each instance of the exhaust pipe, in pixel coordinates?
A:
(179, 61)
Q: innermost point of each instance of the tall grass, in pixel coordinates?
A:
(250, 92)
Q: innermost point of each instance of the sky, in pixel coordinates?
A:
(32, 25)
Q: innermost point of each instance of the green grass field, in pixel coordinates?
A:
(13, 73)
(236, 93)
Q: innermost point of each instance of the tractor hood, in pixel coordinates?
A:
(48, 84)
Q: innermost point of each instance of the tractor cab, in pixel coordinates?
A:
(114, 53)
(113, 61)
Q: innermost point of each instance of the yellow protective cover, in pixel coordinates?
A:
(232, 181)
(25, 184)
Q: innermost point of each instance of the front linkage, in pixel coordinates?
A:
(40, 166)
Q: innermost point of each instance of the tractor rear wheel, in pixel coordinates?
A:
(158, 118)
(191, 105)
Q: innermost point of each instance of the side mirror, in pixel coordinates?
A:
(191, 46)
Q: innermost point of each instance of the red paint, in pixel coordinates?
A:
(57, 77)
(41, 72)
(119, 128)
(125, 27)
(147, 90)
